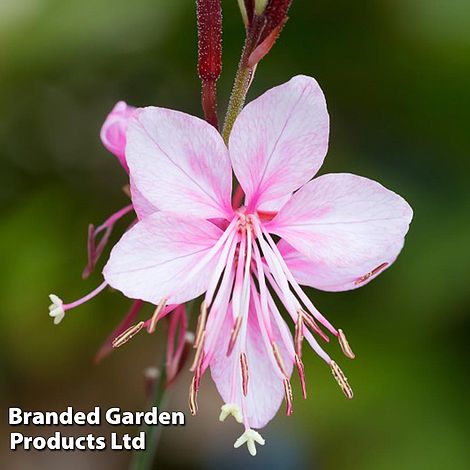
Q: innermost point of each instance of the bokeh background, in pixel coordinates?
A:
(396, 75)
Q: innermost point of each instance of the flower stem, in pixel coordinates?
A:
(241, 85)
(143, 460)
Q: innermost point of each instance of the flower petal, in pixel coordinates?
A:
(347, 229)
(142, 206)
(113, 131)
(153, 260)
(279, 140)
(179, 163)
(265, 389)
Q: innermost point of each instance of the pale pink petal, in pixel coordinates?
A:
(348, 229)
(179, 163)
(327, 277)
(279, 140)
(153, 260)
(142, 206)
(113, 131)
(265, 388)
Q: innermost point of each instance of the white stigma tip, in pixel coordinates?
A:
(250, 437)
(231, 409)
(189, 337)
(56, 309)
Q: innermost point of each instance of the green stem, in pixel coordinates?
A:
(240, 88)
(143, 460)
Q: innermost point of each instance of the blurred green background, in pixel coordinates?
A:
(396, 76)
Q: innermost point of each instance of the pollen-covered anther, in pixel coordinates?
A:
(198, 355)
(201, 324)
(300, 369)
(231, 409)
(376, 270)
(250, 437)
(341, 379)
(299, 334)
(156, 315)
(244, 370)
(288, 396)
(279, 360)
(127, 335)
(56, 309)
(312, 324)
(234, 335)
(192, 399)
(343, 342)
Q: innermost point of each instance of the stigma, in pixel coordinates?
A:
(56, 309)
(250, 437)
(231, 409)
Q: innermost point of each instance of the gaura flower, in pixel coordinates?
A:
(335, 232)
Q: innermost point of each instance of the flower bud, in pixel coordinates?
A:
(113, 131)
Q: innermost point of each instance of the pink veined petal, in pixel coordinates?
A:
(142, 206)
(265, 389)
(153, 259)
(279, 140)
(113, 131)
(347, 229)
(179, 163)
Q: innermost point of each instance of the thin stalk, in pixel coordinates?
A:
(143, 460)
(241, 85)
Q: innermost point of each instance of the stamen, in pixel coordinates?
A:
(127, 335)
(313, 325)
(154, 320)
(343, 342)
(299, 334)
(244, 368)
(288, 396)
(201, 324)
(300, 369)
(198, 354)
(199, 372)
(234, 335)
(279, 360)
(341, 379)
(364, 278)
(192, 400)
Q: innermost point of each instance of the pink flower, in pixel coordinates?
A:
(336, 232)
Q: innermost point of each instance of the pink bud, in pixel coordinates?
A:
(113, 132)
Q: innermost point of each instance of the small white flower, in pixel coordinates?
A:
(56, 309)
(250, 436)
(231, 409)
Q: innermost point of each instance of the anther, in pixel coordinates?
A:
(244, 369)
(288, 396)
(299, 334)
(192, 400)
(127, 335)
(341, 379)
(308, 319)
(198, 355)
(364, 278)
(279, 360)
(155, 316)
(300, 369)
(201, 324)
(234, 335)
(343, 342)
